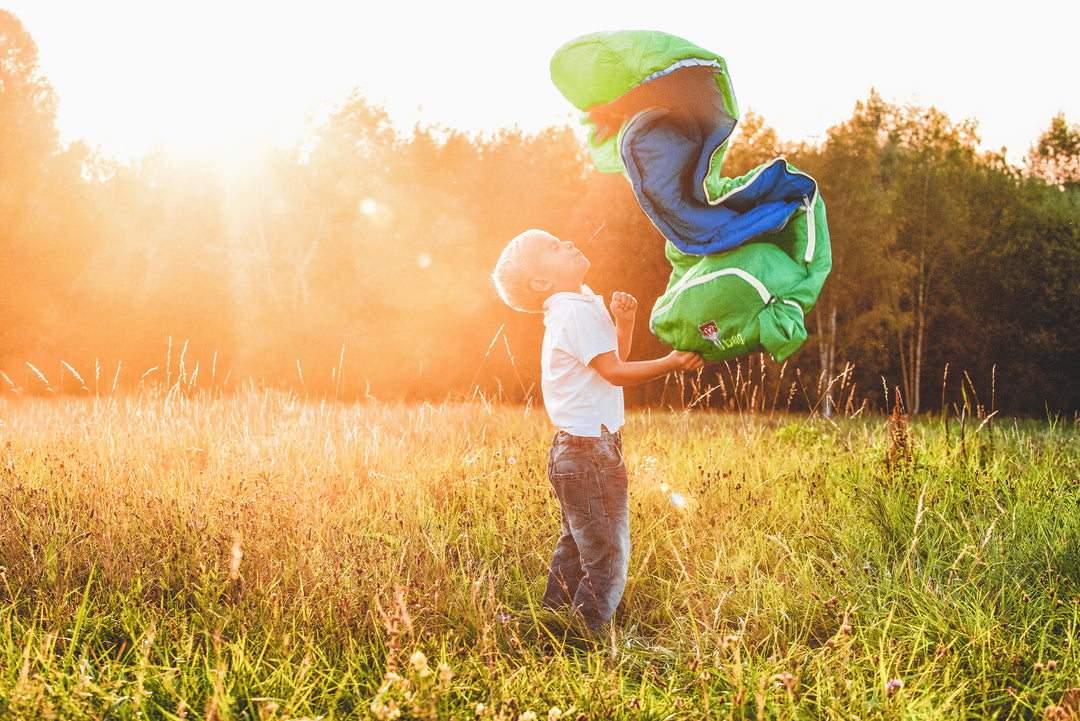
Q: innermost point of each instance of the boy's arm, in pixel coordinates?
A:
(622, 373)
(624, 308)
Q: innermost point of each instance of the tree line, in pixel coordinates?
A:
(356, 262)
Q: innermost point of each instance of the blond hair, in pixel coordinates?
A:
(513, 275)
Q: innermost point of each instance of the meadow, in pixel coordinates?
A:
(266, 556)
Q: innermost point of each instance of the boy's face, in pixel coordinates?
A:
(558, 265)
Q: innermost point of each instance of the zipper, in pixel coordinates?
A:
(811, 226)
(808, 202)
(690, 62)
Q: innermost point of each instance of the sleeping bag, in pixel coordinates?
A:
(749, 255)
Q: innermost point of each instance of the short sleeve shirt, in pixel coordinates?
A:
(578, 400)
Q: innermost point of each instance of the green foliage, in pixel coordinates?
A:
(1056, 157)
(357, 261)
(265, 556)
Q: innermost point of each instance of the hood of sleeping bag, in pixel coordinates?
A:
(612, 75)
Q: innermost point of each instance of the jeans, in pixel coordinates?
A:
(589, 566)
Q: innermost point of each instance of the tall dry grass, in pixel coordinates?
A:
(260, 555)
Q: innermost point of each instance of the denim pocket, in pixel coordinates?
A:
(573, 492)
(609, 454)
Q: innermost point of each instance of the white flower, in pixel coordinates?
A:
(419, 664)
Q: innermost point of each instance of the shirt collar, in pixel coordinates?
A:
(585, 295)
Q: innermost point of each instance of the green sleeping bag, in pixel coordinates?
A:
(749, 255)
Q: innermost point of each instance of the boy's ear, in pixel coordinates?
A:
(540, 284)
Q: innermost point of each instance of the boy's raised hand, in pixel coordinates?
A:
(623, 306)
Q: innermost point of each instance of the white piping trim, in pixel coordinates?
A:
(795, 305)
(683, 286)
(811, 228)
(738, 188)
(808, 203)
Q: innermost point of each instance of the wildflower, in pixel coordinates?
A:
(787, 679)
(234, 562)
(554, 714)
(528, 716)
(385, 712)
(893, 685)
(445, 674)
(419, 664)
(1056, 713)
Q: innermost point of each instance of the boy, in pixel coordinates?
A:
(583, 364)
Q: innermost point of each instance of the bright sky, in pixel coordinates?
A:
(220, 76)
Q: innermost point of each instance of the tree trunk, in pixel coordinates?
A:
(912, 351)
(920, 332)
(827, 355)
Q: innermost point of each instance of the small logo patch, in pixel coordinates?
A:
(710, 332)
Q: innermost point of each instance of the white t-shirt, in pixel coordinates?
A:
(578, 400)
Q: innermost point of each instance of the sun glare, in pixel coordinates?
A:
(210, 82)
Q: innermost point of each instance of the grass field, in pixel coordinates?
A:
(260, 556)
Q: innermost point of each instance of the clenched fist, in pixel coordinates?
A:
(623, 306)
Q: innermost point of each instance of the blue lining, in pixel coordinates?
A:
(667, 157)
